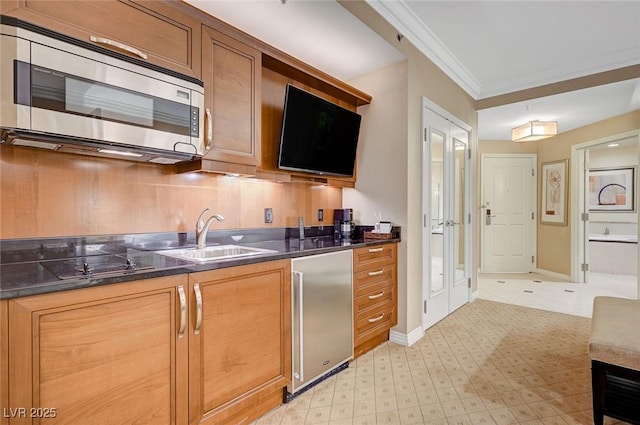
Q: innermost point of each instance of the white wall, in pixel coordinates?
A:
(382, 161)
(382, 149)
(397, 126)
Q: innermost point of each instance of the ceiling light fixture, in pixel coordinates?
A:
(534, 130)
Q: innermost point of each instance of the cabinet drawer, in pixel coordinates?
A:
(362, 281)
(376, 320)
(378, 293)
(373, 256)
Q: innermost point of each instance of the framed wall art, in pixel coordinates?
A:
(612, 189)
(553, 205)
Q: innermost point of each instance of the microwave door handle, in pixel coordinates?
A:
(118, 45)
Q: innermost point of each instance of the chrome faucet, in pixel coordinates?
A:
(202, 228)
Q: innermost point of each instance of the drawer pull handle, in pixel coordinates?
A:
(196, 290)
(378, 273)
(373, 297)
(376, 249)
(118, 45)
(183, 311)
(376, 319)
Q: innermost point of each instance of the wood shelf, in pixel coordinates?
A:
(291, 67)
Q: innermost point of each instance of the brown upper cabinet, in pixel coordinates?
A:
(231, 71)
(244, 78)
(167, 35)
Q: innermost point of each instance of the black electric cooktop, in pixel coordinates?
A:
(100, 265)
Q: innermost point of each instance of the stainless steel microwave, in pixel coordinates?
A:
(70, 95)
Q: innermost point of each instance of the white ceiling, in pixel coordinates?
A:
(487, 47)
(319, 32)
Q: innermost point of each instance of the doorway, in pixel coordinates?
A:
(606, 235)
(446, 237)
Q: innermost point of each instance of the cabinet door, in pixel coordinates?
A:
(105, 355)
(240, 341)
(231, 72)
(167, 35)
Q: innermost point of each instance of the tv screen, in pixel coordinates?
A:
(317, 136)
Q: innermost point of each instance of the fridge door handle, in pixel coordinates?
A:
(300, 374)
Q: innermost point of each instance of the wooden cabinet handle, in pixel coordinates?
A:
(183, 311)
(376, 319)
(196, 290)
(376, 249)
(118, 45)
(209, 128)
(378, 273)
(373, 297)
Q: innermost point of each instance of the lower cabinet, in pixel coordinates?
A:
(206, 348)
(105, 355)
(211, 347)
(240, 342)
(374, 295)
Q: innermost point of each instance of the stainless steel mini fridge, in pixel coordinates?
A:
(322, 313)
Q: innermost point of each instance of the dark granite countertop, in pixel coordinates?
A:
(40, 266)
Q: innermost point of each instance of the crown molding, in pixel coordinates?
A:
(405, 21)
(408, 24)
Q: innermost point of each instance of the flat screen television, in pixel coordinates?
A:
(317, 136)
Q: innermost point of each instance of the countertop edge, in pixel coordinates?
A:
(89, 282)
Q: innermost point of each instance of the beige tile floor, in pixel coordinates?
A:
(487, 363)
(545, 293)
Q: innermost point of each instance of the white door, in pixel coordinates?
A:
(446, 227)
(509, 213)
(459, 217)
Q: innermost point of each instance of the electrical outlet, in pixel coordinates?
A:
(268, 215)
(320, 214)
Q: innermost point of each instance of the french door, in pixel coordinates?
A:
(446, 215)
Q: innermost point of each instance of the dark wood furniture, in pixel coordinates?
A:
(614, 348)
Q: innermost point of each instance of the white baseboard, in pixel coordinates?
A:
(406, 339)
(554, 275)
(474, 296)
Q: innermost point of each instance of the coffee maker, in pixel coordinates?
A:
(343, 223)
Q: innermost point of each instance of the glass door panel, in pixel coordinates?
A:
(460, 150)
(437, 139)
(458, 225)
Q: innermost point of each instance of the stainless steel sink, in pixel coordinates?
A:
(215, 253)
